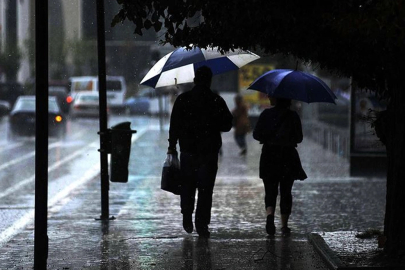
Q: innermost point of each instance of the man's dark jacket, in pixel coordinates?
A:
(197, 118)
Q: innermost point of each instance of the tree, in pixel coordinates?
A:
(362, 39)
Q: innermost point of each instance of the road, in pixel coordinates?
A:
(73, 161)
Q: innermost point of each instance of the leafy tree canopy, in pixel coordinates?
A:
(363, 39)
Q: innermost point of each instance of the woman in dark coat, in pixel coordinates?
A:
(279, 130)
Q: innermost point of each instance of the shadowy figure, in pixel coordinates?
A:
(279, 130)
(197, 120)
(241, 123)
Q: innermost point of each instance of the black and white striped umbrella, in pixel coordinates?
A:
(178, 66)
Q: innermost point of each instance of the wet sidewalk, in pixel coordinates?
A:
(147, 233)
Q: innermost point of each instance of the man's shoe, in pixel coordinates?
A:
(270, 228)
(188, 223)
(203, 233)
(202, 230)
(285, 231)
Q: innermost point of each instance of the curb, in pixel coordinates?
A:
(330, 258)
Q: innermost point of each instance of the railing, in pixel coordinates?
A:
(334, 139)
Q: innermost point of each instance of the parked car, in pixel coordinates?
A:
(63, 99)
(85, 104)
(22, 118)
(138, 105)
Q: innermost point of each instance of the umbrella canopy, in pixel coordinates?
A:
(293, 84)
(178, 66)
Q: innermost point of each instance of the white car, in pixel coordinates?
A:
(85, 104)
(115, 86)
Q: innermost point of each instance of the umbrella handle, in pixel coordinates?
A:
(175, 84)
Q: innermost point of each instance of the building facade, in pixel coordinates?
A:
(73, 40)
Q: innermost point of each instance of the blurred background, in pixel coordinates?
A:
(344, 128)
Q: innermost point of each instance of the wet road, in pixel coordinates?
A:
(73, 160)
(329, 200)
(147, 232)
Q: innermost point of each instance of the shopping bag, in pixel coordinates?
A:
(171, 175)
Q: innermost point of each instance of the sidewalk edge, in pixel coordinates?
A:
(330, 258)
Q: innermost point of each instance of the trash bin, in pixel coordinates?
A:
(120, 151)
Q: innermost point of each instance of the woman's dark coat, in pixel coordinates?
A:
(279, 130)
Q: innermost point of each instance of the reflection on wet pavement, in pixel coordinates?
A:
(147, 232)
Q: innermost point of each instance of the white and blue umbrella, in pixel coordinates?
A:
(293, 84)
(178, 66)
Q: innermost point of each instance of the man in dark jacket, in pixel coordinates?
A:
(197, 120)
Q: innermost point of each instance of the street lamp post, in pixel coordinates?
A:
(41, 135)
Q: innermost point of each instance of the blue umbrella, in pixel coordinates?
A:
(178, 66)
(293, 84)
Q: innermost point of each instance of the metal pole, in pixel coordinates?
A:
(41, 135)
(102, 84)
